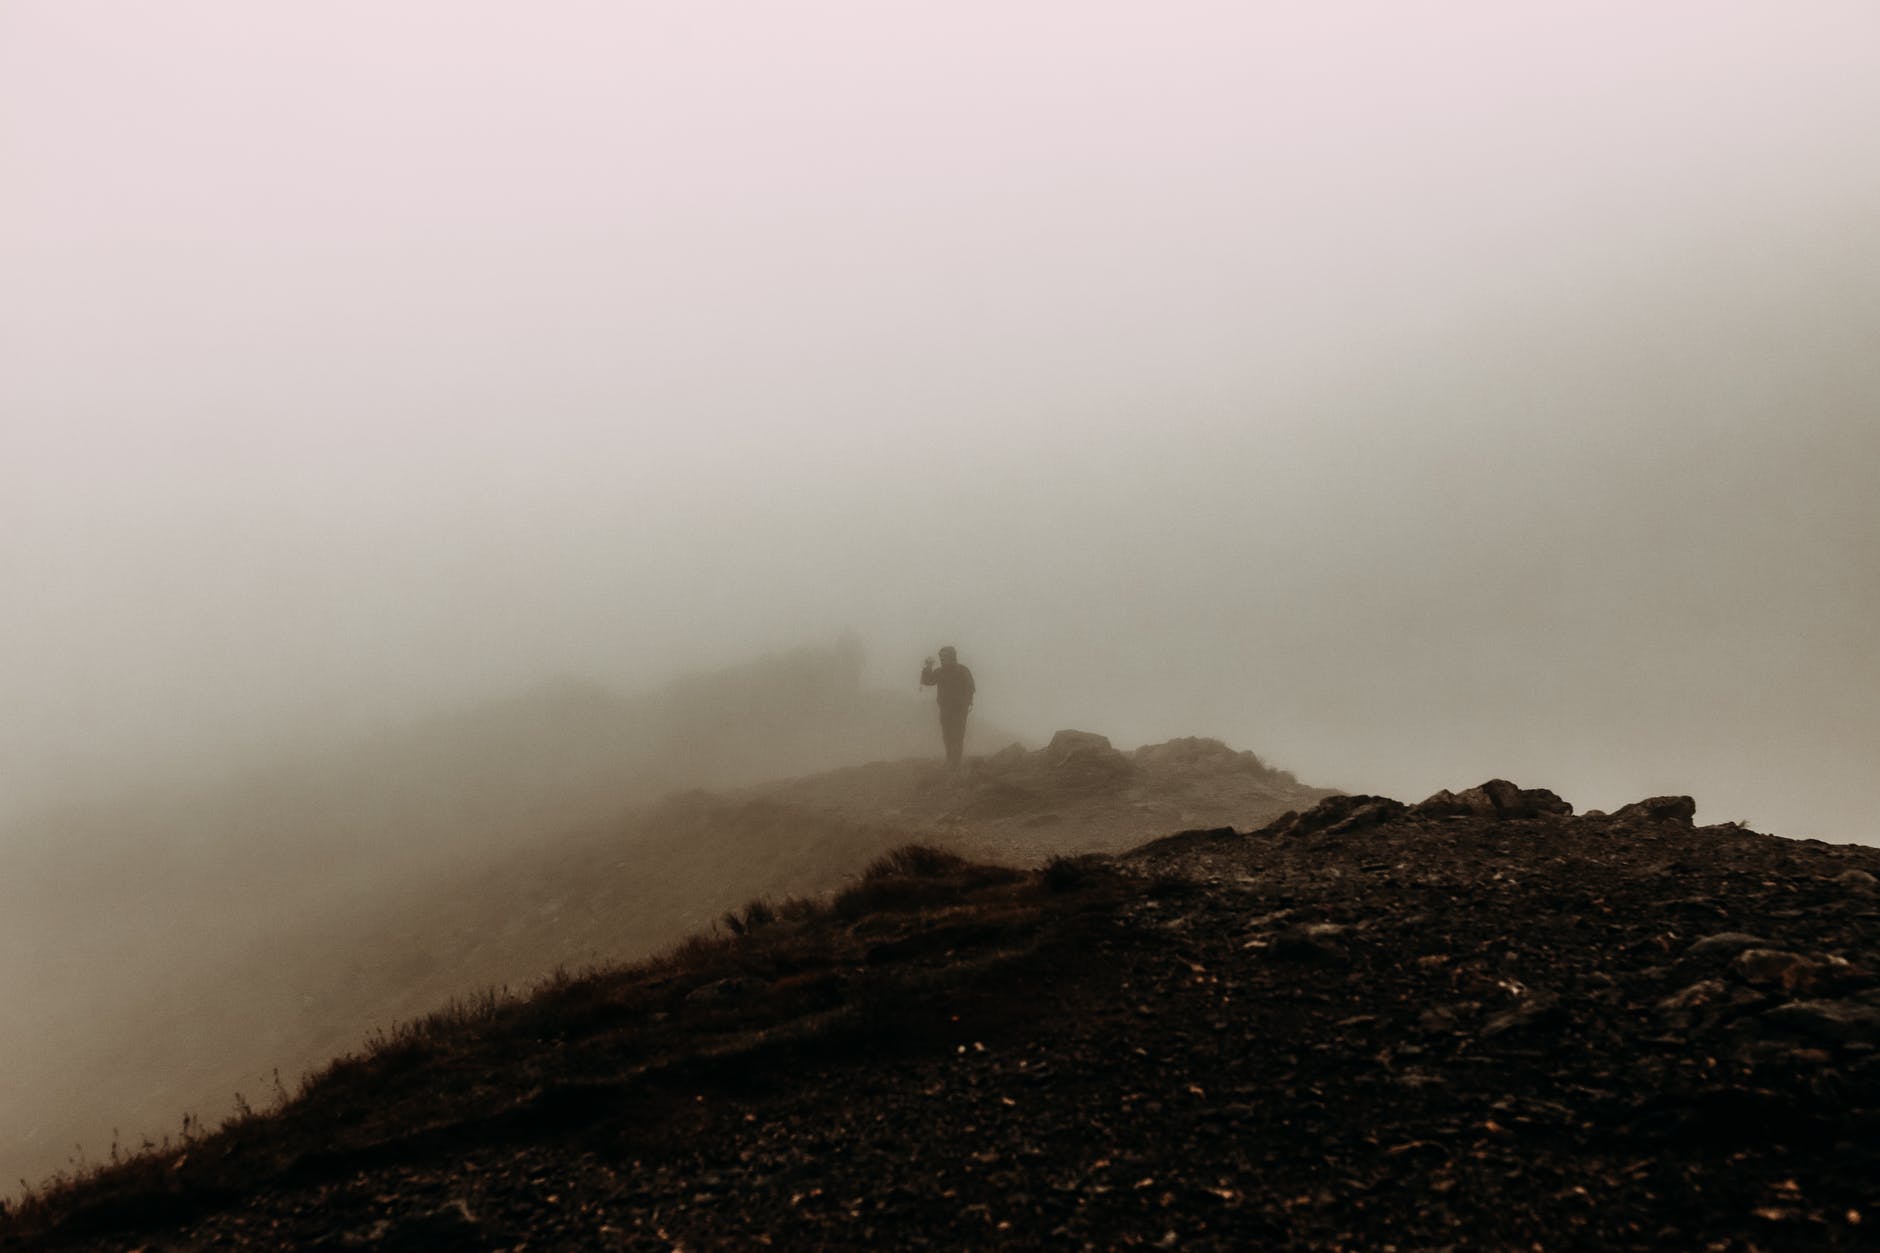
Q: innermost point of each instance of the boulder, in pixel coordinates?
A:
(1376, 812)
(1655, 809)
(1726, 944)
(1443, 804)
(1336, 815)
(1839, 1021)
(1858, 881)
(1774, 967)
(1068, 742)
(1086, 752)
(1496, 798)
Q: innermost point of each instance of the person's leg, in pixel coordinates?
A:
(953, 732)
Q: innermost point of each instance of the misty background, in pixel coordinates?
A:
(397, 400)
(1413, 398)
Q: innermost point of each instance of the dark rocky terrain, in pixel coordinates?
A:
(1475, 1022)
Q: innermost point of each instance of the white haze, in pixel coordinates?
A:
(1411, 395)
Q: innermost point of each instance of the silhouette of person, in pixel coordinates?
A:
(955, 691)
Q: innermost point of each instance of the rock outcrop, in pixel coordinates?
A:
(1496, 798)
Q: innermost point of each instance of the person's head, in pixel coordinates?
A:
(949, 655)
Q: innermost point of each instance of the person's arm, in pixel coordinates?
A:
(928, 675)
(971, 687)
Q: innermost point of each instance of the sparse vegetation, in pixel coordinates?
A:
(919, 877)
(781, 978)
(1068, 874)
(914, 861)
(757, 913)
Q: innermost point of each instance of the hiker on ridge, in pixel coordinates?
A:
(955, 684)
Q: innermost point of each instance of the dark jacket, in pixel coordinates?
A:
(955, 683)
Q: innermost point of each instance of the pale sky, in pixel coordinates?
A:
(1410, 393)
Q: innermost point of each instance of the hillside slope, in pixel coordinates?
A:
(153, 1023)
(675, 867)
(175, 948)
(1475, 1022)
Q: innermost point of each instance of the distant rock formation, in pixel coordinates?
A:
(1496, 798)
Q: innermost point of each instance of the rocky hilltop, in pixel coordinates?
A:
(1076, 794)
(1479, 1021)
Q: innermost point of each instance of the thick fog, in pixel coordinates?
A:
(1413, 396)
(395, 399)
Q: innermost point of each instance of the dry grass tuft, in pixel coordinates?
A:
(915, 861)
(917, 877)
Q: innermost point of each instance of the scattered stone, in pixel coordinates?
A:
(1440, 1020)
(354, 1238)
(1726, 944)
(1540, 1013)
(1858, 881)
(1838, 1021)
(1186, 842)
(449, 1227)
(1766, 967)
(724, 991)
(1305, 944)
(1697, 996)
